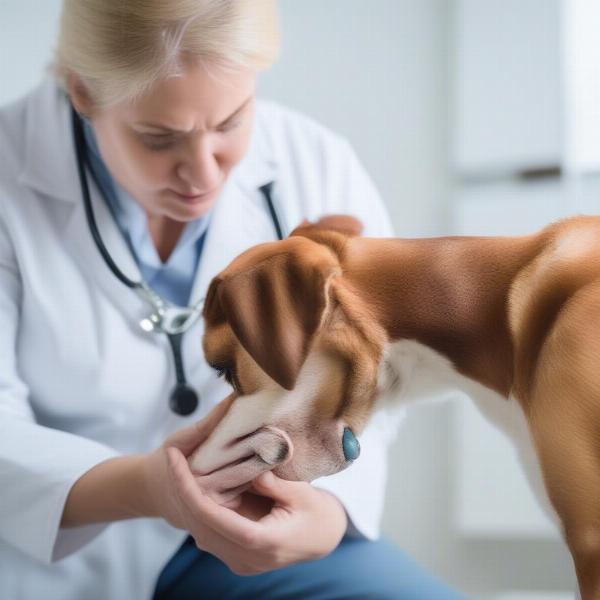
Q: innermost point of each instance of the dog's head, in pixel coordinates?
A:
(286, 329)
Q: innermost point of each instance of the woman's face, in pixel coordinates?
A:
(173, 149)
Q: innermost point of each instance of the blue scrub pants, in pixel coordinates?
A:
(358, 569)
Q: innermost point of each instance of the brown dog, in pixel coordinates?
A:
(312, 331)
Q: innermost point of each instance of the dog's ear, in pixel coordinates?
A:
(276, 307)
(344, 224)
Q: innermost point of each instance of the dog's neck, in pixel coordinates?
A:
(450, 294)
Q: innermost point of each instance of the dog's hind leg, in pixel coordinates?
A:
(563, 410)
(572, 478)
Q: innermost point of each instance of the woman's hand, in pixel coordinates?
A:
(302, 522)
(281, 523)
(161, 499)
(136, 485)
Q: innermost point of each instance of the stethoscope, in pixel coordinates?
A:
(166, 318)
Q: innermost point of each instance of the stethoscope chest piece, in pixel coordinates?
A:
(183, 400)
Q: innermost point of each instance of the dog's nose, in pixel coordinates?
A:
(350, 445)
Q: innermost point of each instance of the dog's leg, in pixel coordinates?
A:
(563, 411)
(572, 477)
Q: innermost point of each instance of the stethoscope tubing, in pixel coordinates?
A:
(81, 153)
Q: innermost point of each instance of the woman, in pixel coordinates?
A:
(182, 167)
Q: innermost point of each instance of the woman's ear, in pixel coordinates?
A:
(79, 95)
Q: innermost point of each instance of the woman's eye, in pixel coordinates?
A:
(158, 142)
(229, 126)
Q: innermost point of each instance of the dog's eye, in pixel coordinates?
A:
(350, 445)
(226, 373)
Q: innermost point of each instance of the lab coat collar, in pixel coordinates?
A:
(49, 164)
(50, 169)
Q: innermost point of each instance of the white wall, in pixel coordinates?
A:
(27, 33)
(374, 72)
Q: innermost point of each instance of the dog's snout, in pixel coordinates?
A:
(350, 445)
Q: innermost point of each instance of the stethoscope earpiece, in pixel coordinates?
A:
(170, 320)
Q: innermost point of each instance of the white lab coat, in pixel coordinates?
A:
(81, 382)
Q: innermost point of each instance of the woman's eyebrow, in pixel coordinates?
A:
(238, 110)
(167, 129)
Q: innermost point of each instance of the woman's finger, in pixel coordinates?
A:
(280, 490)
(222, 520)
(189, 438)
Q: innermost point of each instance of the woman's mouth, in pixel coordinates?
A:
(194, 198)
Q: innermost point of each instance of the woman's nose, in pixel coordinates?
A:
(200, 167)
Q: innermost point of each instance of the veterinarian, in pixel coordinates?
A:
(144, 157)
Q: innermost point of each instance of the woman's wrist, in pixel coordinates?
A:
(113, 490)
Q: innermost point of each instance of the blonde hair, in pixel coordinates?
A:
(120, 48)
